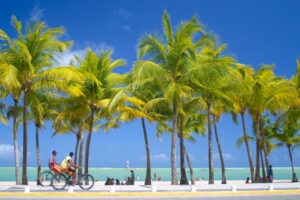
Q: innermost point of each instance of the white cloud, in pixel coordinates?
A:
(36, 13)
(125, 28)
(123, 13)
(65, 58)
(160, 157)
(6, 150)
(226, 156)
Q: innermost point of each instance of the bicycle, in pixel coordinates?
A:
(64, 178)
(46, 178)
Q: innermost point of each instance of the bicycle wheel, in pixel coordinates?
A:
(59, 182)
(86, 182)
(45, 178)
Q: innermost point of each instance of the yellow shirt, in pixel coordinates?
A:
(65, 162)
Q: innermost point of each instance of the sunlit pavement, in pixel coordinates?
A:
(235, 197)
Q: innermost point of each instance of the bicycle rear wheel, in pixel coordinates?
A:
(59, 182)
(45, 178)
(86, 182)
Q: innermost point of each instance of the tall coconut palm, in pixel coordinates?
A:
(72, 118)
(288, 136)
(240, 93)
(97, 87)
(171, 56)
(139, 100)
(189, 123)
(12, 87)
(209, 75)
(35, 51)
(269, 93)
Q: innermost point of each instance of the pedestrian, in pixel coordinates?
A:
(270, 174)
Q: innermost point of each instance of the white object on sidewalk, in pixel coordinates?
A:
(193, 188)
(27, 189)
(112, 189)
(71, 189)
(233, 188)
(154, 189)
(271, 187)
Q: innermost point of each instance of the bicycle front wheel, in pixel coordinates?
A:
(45, 178)
(86, 182)
(59, 182)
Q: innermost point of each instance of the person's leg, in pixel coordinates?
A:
(72, 173)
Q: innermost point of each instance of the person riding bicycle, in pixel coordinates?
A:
(52, 160)
(67, 164)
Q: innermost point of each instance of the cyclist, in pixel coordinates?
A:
(67, 164)
(52, 160)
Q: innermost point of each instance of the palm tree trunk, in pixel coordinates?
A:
(257, 160)
(248, 148)
(173, 144)
(25, 138)
(76, 148)
(263, 167)
(80, 153)
(148, 171)
(294, 175)
(264, 147)
(88, 141)
(190, 166)
(210, 158)
(38, 155)
(183, 179)
(220, 151)
(16, 146)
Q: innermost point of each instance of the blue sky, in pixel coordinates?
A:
(256, 32)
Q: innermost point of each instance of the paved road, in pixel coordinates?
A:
(235, 197)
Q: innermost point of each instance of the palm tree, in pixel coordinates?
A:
(209, 76)
(287, 127)
(97, 87)
(139, 100)
(171, 56)
(11, 85)
(269, 93)
(71, 118)
(240, 93)
(34, 51)
(190, 121)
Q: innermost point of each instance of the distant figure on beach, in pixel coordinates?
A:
(109, 181)
(247, 180)
(127, 164)
(137, 177)
(270, 174)
(130, 179)
(52, 160)
(154, 176)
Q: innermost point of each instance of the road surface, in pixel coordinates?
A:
(210, 197)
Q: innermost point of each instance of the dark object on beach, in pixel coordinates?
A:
(109, 181)
(270, 174)
(247, 180)
(117, 182)
(130, 179)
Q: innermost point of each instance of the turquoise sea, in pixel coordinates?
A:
(282, 173)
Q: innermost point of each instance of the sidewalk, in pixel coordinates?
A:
(158, 187)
